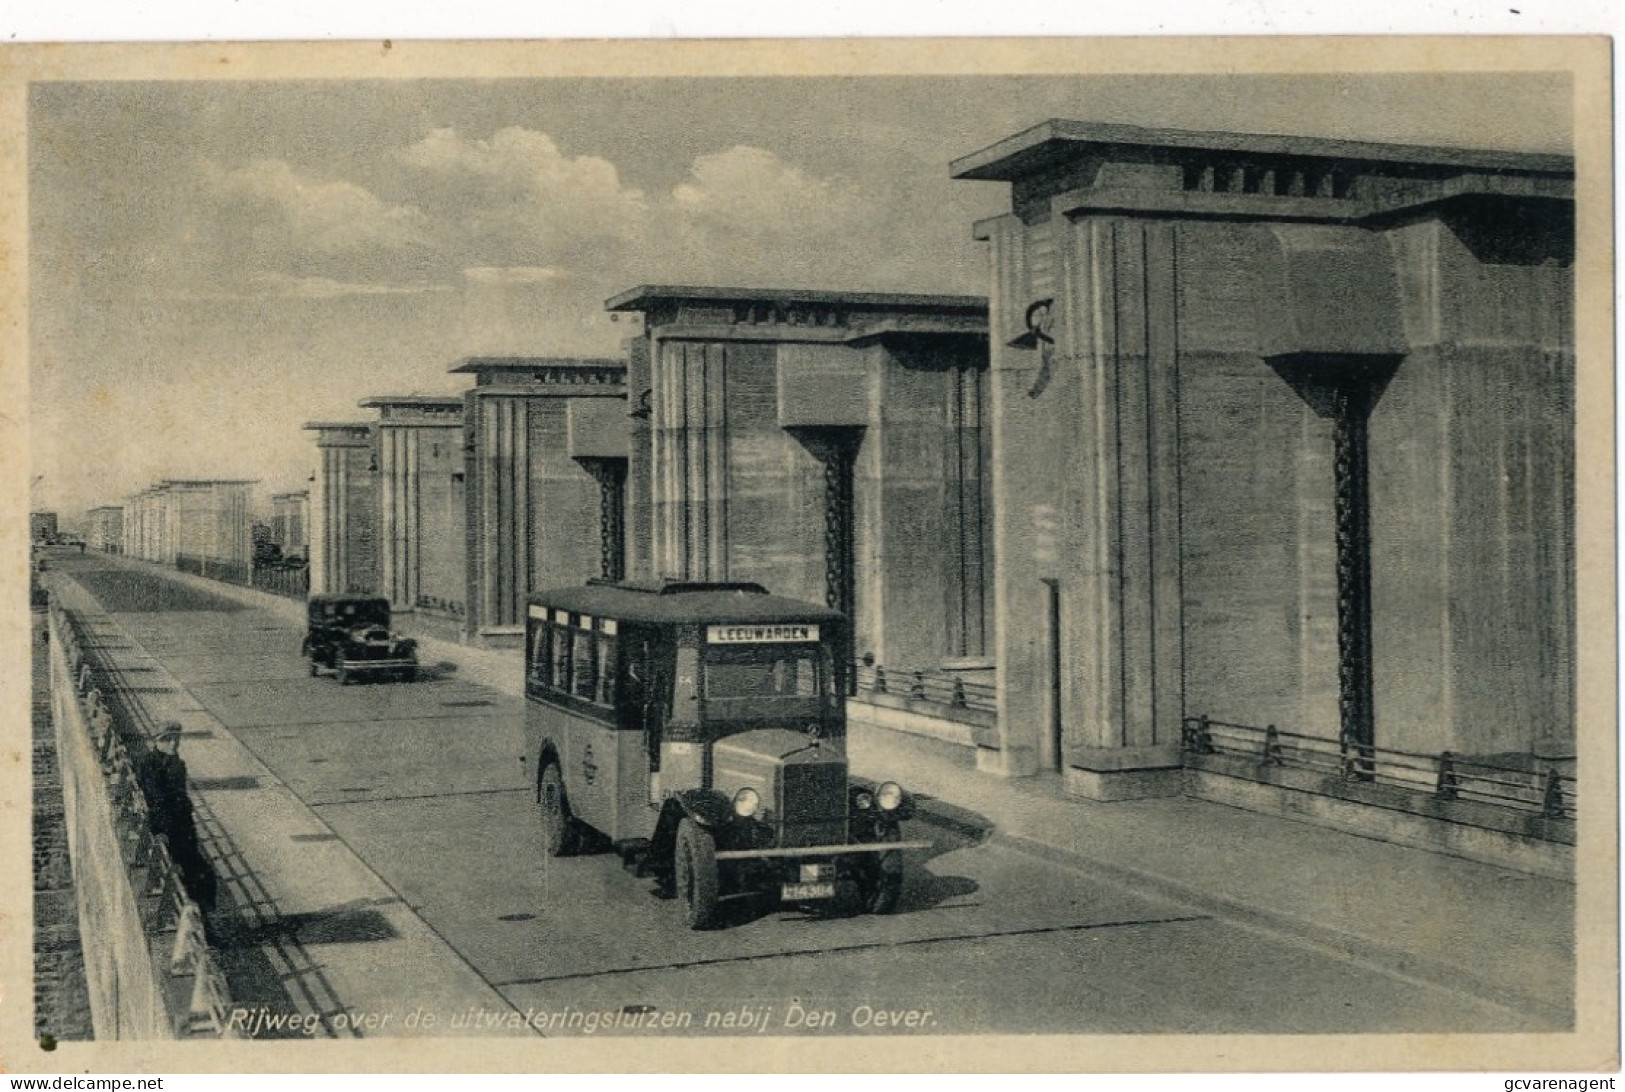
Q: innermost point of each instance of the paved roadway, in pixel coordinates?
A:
(422, 782)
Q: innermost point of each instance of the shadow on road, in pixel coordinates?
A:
(436, 672)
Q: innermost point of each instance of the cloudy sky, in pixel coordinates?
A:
(213, 264)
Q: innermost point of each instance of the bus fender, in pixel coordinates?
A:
(710, 809)
(548, 753)
(707, 807)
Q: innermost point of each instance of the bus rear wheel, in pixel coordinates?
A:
(560, 835)
(697, 883)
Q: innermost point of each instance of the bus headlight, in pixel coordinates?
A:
(746, 802)
(889, 796)
(863, 800)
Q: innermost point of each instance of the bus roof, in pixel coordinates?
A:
(673, 602)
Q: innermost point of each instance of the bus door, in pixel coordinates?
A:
(642, 713)
(641, 695)
(684, 755)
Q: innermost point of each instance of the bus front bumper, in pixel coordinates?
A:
(376, 665)
(807, 874)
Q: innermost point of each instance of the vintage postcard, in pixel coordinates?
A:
(1085, 555)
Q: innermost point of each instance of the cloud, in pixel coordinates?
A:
(275, 285)
(753, 190)
(514, 274)
(515, 213)
(520, 210)
(331, 217)
(324, 288)
(517, 199)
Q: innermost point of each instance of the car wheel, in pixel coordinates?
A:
(883, 884)
(696, 867)
(409, 675)
(560, 835)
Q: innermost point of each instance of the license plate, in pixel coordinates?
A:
(798, 892)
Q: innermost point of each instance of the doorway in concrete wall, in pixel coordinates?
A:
(1050, 750)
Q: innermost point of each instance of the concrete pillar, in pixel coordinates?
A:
(1030, 478)
(527, 501)
(347, 558)
(639, 462)
(419, 449)
(690, 429)
(317, 550)
(503, 428)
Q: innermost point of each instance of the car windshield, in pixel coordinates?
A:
(364, 613)
(765, 671)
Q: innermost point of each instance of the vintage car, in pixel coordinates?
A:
(349, 635)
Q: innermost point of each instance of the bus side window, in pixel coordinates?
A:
(632, 688)
(606, 669)
(560, 681)
(585, 665)
(638, 692)
(538, 654)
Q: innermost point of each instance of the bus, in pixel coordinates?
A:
(700, 729)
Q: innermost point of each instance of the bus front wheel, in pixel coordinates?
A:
(696, 868)
(560, 837)
(883, 884)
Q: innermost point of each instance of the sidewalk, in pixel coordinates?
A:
(1497, 934)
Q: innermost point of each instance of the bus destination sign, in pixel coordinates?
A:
(755, 635)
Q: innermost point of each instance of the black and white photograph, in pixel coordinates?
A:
(811, 555)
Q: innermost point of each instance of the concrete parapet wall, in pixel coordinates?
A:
(126, 1000)
(898, 717)
(1474, 843)
(148, 966)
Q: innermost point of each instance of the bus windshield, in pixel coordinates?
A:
(787, 678)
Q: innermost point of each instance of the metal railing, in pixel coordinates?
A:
(215, 568)
(1534, 787)
(293, 583)
(162, 900)
(452, 607)
(943, 689)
